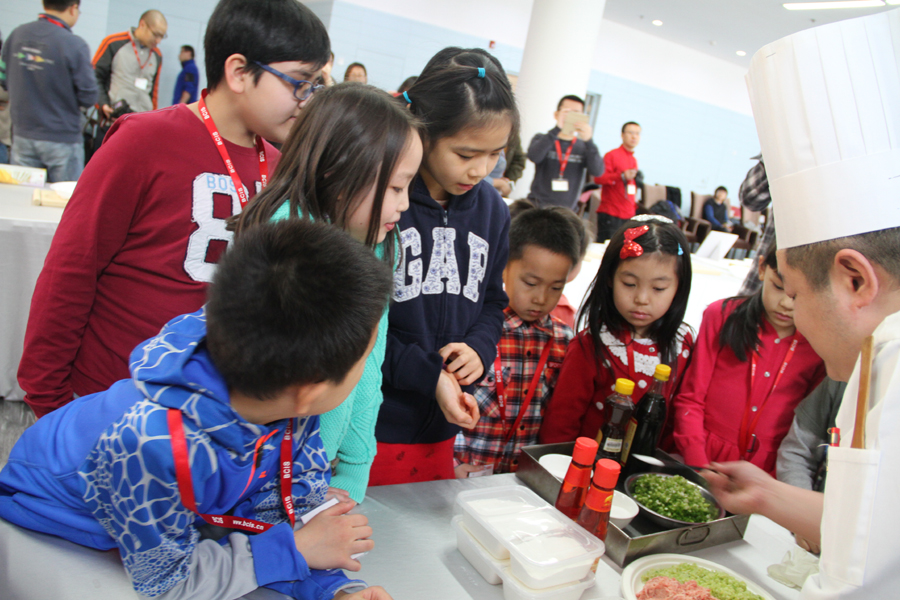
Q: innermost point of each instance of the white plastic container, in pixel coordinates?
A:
(548, 549)
(545, 548)
(513, 589)
(477, 555)
(479, 508)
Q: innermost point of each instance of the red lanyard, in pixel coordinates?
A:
(747, 437)
(186, 485)
(501, 389)
(223, 152)
(138, 57)
(563, 160)
(53, 20)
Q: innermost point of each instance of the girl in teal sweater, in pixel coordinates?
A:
(349, 160)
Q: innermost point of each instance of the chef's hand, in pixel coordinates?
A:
(332, 536)
(807, 545)
(458, 407)
(741, 487)
(463, 362)
(376, 592)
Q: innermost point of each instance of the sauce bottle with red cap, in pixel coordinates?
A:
(594, 515)
(574, 487)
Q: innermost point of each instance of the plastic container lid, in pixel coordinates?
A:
(585, 450)
(606, 474)
(624, 387)
(663, 372)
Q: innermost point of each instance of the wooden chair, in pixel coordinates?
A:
(650, 195)
(695, 227)
(747, 237)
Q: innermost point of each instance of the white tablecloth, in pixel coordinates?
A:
(25, 235)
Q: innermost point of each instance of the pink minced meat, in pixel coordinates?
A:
(666, 588)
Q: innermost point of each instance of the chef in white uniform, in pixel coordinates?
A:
(827, 107)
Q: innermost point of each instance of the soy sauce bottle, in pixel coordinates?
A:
(649, 418)
(617, 412)
(575, 486)
(594, 515)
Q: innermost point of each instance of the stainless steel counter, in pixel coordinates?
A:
(415, 554)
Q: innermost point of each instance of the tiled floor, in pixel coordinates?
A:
(15, 417)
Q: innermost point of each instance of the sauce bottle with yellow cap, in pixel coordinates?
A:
(616, 412)
(649, 418)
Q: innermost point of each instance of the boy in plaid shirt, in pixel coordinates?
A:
(543, 249)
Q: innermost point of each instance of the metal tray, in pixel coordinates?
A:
(641, 537)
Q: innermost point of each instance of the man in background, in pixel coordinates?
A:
(49, 77)
(188, 82)
(560, 159)
(127, 65)
(620, 181)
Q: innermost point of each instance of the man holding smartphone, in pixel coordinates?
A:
(562, 155)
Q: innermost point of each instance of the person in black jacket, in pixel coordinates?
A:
(447, 313)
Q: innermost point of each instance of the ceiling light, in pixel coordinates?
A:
(833, 4)
(741, 53)
(657, 22)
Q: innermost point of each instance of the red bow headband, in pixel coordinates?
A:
(631, 249)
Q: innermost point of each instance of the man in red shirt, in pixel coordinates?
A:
(619, 181)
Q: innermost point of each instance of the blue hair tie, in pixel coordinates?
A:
(406, 97)
(680, 250)
(481, 72)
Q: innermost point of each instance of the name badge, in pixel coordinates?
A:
(559, 185)
(487, 470)
(142, 83)
(632, 189)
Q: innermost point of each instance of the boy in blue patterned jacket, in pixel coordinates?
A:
(217, 431)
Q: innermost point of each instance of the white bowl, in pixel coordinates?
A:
(624, 509)
(556, 464)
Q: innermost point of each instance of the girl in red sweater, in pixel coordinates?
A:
(750, 370)
(634, 316)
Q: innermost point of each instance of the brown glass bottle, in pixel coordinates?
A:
(649, 418)
(594, 515)
(616, 412)
(574, 487)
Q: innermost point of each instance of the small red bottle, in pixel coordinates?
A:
(574, 487)
(594, 515)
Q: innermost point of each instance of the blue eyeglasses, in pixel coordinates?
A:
(302, 89)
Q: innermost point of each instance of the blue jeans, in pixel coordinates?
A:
(4, 154)
(64, 162)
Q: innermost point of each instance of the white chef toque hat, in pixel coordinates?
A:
(827, 107)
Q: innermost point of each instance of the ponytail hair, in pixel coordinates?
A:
(461, 88)
(741, 328)
(347, 139)
(664, 237)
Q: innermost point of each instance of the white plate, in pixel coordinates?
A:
(631, 576)
(556, 464)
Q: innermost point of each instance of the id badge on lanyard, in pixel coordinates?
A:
(561, 184)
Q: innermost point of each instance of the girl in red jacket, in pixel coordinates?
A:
(750, 369)
(634, 316)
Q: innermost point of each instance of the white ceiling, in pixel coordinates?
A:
(722, 27)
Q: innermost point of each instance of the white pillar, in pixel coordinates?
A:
(559, 51)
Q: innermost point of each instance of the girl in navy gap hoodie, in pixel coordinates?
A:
(447, 314)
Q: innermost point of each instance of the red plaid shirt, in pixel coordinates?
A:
(520, 349)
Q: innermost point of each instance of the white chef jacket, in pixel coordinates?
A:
(861, 520)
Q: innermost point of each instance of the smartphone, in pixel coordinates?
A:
(570, 120)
